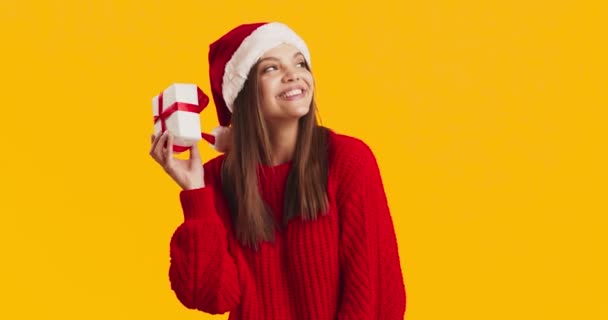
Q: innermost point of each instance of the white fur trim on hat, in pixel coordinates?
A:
(222, 138)
(251, 49)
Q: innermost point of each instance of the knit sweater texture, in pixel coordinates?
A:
(343, 265)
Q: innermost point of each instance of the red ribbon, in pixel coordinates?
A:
(163, 115)
(208, 137)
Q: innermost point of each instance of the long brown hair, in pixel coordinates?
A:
(305, 194)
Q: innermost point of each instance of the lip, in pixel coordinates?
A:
(292, 88)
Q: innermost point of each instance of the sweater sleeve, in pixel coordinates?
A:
(372, 281)
(202, 272)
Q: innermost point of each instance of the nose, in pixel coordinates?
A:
(291, 75)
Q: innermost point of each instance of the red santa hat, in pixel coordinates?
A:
(230, 59)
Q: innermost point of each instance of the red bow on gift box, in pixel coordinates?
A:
(203, 101)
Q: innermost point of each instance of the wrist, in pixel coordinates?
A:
(194, 186)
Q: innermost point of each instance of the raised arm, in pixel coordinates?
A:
(203, 274)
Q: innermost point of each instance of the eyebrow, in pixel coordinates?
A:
(273, 58)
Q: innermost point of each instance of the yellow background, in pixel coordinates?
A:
(487, 120)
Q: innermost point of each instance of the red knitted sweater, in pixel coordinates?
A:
(344, 265)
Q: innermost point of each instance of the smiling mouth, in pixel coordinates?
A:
(292, 94)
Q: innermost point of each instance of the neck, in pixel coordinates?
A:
(283, 142)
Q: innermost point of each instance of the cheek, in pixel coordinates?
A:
(263, 93)
(266, 89)
(309, 80)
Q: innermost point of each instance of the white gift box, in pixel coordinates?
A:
(177, 109)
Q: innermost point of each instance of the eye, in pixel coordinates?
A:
(303, 63)
(268, 68)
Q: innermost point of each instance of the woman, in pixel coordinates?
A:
(291, 220)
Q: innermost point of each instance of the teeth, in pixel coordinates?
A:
(291, 93)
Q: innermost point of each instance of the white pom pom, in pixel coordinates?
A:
(223, 138)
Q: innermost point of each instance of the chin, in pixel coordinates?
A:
(298, 112)
(296, 108)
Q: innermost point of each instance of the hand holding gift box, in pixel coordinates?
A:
(177, 109)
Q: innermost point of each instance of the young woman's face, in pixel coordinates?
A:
(286, 84)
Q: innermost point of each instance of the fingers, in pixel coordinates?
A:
(154, 139)
(168, 151)
(156, 151)
(195, 155)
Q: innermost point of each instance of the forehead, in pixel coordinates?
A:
(281, 51)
